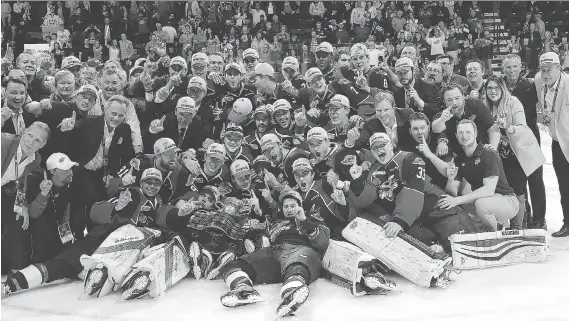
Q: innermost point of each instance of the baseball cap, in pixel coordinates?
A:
(265, 110)
(548, 58)
(164, 144)
(377, 138)
(268, 140)
(135, 69)
(311, 74)
(291, 194)
(281, 104)
(213, 191)
(216, 150)
(261, 159)
(179, 61)
(250, 53)
(88, 89)
(290, 62)
(318, 133)
(264, 69)
(151, 173)
(403, 63)
(70, 61)
(233, 65)
(242, 107)
(186, 103)
(199, 58)
(239, 166)
(197, 82)
(301, 164)
(232, 128)
(339, 101)
(325, 47)
(59, 161)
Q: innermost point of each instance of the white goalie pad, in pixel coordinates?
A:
(403, 254)
(118, 253)
(345, 264)
(490, 249)
(166, 263)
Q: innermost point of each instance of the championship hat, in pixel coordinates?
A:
(199, 58)
(216, 150)
(378, 138)
(250, 53)
(325, 47)
(151, 173)
(197, 82)
(339, 101)
(179, 61)
(186, 104)
(239, 166)
(59, 161)
(311, 74)
(164, 144)
(548, 58)
(317, 133)
(290, 62)
(268, 140)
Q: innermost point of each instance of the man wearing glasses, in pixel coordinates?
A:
(449, 76)
(416, 93)
(434, 74)
(553, 90)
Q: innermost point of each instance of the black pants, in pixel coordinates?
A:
(45, 242)
(561, 167)
(536, 191)
(15, 240)
(89, 188)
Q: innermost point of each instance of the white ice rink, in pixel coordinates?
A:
(520, 292)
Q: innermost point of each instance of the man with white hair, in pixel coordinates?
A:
(553, 88)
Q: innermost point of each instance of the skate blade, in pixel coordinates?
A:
(232, 301)
(381, 287)
(299, 297)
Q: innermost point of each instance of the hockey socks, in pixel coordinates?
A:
(293, 294)
(242, 291)
(29, 277)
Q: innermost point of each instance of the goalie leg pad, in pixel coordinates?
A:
(403, 254)
(348, 266)
(165, 266)
(118, 253)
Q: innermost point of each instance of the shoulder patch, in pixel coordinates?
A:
(419, 161)
(349, 160)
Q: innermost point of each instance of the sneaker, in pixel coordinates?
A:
(95, 279)
(222, 261)
(249, 246)
(137, 286)
(242, 295)
(6, 290)
(292, 301)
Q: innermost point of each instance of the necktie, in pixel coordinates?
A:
(181, 137)
(19, 124)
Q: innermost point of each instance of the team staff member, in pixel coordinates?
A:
(525, 90)
(553, 91)
(494, 201)
(457, 107)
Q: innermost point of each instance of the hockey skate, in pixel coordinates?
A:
(292, 301)
(136, 287)
(242, 295)
(376, 283)
(222, 261)
(95, 280)
(200, 259)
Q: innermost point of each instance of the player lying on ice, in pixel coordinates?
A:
(126, 228)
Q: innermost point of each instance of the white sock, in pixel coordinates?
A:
(33, 276)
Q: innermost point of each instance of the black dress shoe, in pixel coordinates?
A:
(563, 232)
(539, 224)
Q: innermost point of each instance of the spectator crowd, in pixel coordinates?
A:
(287, 118)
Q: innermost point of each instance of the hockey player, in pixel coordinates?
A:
(290, 132)
(269, 90)
(250, 61)
(279, 173)
(340, 120)
(233, 142)
(294, 258)
(212, 171)
(320, 199)
(322, 151)
(135, 205)
(263, 125)
(294, 81)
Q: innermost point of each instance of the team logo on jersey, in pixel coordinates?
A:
(356, 171)
(349, 160)
(135, 163)
(419, 161)
(385, 186)
(280, 178)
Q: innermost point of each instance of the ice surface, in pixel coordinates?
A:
(536, 292)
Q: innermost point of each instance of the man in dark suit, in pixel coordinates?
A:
(14, 118)
(20, 157)
(184, 127)
(388, 119)
(416, 93)
(101, 146)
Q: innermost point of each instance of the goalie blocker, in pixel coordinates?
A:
(403, 254)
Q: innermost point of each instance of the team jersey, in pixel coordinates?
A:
(321, 168)
(197, 182)
(283, 171)
(253, 141)
(244, 154)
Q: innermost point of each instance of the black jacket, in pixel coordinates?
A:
(429, 93)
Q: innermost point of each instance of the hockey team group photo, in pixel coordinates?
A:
(267, 160)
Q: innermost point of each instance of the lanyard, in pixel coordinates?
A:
(554, 97)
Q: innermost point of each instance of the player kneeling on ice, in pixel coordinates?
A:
(294, 258)
(122, 233)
